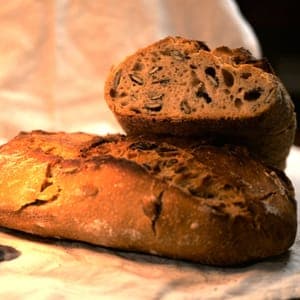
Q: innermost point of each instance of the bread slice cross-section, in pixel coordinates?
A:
(180, 87)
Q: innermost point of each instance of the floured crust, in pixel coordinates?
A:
(214, 205)
(180, 87)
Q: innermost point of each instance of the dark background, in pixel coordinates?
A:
(277, 26)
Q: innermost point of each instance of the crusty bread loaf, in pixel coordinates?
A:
(214, 205)
(180, 87)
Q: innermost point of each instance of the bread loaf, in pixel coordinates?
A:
(208, 204)
(180, 87)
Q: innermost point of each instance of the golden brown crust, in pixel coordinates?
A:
(214, 205)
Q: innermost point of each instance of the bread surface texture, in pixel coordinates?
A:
(181, 87)
(207, 204)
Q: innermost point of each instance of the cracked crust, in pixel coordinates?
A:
(180, 87)
(193, 201)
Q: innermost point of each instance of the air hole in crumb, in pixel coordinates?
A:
(135, 110)
(123, 94)
(228, 78)
(113, 93)
(211, 73)
(238, 103)
(246, 75)
(138, 66)
(201, 94)
(253, 94)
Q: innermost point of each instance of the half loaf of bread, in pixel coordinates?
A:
(214, 205)
(180, 87)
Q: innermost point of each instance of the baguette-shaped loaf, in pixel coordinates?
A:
(180, 87)
(214, 205)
